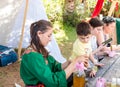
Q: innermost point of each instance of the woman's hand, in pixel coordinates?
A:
(100, 50)
(71, 67)
(82, 58)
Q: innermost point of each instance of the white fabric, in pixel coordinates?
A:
(11, 16)
(55, 51)
(94, 43)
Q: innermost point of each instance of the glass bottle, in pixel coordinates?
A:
(79, 79)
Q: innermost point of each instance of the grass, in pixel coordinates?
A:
(65, 37)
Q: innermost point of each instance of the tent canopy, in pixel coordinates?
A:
(11, 16)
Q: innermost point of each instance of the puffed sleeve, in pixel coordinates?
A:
(49, 75)
(53, 64)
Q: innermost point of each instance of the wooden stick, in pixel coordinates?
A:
(112, 8)
(111, 11)
(22, 34)
(110, 47)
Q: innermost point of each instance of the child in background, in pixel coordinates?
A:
(82, 45)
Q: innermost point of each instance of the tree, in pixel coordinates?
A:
(75, 11)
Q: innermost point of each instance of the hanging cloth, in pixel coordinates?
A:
(117, 6)
(98, 8)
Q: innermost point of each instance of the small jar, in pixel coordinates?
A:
(108, 83)
(118, 82)
(113, 83)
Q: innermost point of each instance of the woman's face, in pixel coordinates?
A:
(45, 37)
(109, 28)
(95, 31)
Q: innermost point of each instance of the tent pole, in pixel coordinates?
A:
(111, 11)
(22, 31)
(112, 8)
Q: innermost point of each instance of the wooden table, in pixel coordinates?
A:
(110, 70)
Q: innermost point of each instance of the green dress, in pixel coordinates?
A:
(33, 70)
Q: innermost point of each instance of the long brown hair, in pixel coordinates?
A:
(96, 22)
(36, 44)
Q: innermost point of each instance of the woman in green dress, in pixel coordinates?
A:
(38, 67)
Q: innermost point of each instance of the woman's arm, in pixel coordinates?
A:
(64, 65)
(94, 61)
(99, 49)
(100, 37)
(71, 67)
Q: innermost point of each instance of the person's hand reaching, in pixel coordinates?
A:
(99, 64)
(93, 72)
(82, 58)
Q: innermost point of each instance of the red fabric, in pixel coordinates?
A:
(39, 85)
(110, 0)
(98, 8)
(117, 6)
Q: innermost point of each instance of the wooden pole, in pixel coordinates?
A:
(22, 31)
(111, 11)
(112, 8)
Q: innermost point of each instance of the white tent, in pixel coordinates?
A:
(11, 16)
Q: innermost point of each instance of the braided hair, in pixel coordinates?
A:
(35, 43)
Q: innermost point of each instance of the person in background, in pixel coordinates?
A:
(97, 30)
(37, 67)
(97, 38)
(109, 27)
(82, 45)
(99, 34)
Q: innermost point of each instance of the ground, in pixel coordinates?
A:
(9, 75)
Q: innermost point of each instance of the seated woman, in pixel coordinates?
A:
(97, 36)
(108, 28)
(38, 67)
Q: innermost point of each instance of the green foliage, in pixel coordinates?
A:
(65, 34)
(106, 8)
(54, 9)
(65, 38)
(71, 19)
(82, 12)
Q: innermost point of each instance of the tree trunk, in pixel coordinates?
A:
(69, 12)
